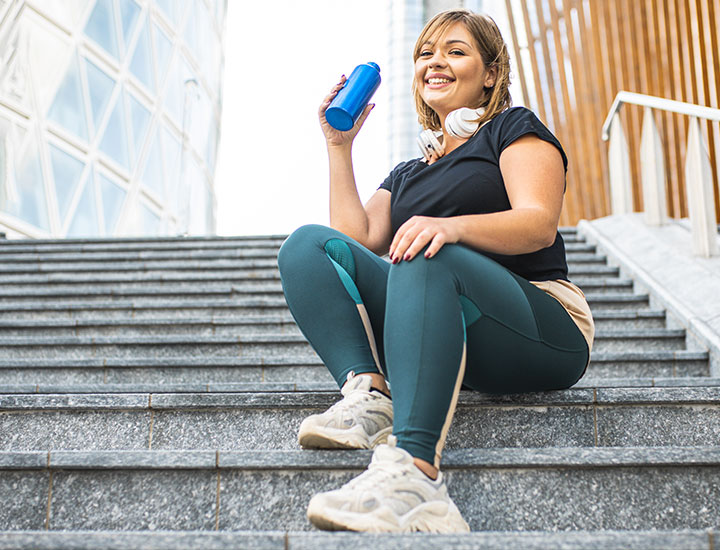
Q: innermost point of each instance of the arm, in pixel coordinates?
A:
(368, 225)
(534, 177)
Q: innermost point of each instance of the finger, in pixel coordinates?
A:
(416, 246)
(399, 234)
(435, 245)
(409, 235)
(364, 115)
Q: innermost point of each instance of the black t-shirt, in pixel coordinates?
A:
(467, 180)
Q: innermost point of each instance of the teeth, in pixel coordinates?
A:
(438, 80)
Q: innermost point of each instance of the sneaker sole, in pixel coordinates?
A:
(328, 438)
(433, 517)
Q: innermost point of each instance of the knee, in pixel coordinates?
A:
(301, 242)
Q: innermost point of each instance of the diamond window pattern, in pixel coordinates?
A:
(129, 11)
(141, 65)
(100, 87)
(115, 140)
(115, 82)
(67, 171)
(101, 26)
(68, 108)
(85, 221)
(113, 197)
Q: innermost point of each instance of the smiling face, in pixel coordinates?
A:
(450, 73)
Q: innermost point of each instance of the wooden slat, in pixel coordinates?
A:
(516, 48)
(664, 48)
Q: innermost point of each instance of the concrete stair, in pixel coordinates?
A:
(151, 391)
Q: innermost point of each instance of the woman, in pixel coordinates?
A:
(476, 295)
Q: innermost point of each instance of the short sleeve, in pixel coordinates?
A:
(389, 182)
(520, 121)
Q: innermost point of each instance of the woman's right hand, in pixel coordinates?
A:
(337, 138)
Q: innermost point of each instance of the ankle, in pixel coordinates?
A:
(426, 468)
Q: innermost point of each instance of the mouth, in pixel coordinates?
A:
(437, 83)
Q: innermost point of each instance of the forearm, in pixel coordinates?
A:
(347, 213)
(515, 231)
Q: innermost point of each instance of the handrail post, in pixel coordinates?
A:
(619, 160)
(652, 167)
(700, 195)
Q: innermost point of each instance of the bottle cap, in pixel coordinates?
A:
(374, 65)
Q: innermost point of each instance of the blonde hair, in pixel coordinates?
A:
(494, 52)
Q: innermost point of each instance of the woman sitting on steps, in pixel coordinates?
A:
(476, 296)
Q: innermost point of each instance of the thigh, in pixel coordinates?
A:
(519, 338)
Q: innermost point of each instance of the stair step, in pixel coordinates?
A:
(496, 489)
(223, 325)
(97, 289)
(327, 386)
(56, 247)
(685, 539)
(267, 345)
(292, 369)
(576, 417)
(243, 304)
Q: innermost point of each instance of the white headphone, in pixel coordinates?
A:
(460, 123)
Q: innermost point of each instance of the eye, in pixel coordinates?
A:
(425, 52)
(457, 51)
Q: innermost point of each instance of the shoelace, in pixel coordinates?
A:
(350, 401)
(376, 474)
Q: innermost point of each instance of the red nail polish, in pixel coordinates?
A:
(407, 257)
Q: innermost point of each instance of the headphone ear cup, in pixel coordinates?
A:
(461, 124)
(429, 143)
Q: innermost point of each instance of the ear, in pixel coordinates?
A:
(490, 77)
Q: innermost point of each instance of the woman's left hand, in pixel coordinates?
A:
(418, 231)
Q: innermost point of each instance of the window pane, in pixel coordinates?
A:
(129, 11)
(113, 197)
(150, 221)
(173, 154)
(173, 9)
(140, 119)
(100, 87)
(141, 65)
(177, 89)
(163, 50)
(31, 205)
(115, 142)
(101, 27)
(66, 171)
(67, 108)
(85, 220)
(152, 174)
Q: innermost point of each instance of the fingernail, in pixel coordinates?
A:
(395, 260)
(427, 254)
(407, 257)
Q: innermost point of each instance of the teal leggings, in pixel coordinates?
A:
(429, 325)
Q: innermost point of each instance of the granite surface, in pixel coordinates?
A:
(24, 497)
(134, 500)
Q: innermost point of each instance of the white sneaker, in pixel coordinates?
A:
(392, 495)
(362, 419)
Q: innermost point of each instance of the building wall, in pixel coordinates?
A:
(109, 116)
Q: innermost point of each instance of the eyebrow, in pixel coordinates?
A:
(448, 42)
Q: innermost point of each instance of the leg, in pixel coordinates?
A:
(328, 280)
(466, 319)
(335, 289)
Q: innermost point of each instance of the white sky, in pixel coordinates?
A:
(281, 60)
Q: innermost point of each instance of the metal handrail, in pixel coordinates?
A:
(698, 171)
(657, 103)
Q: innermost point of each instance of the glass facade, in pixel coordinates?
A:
(109, 116)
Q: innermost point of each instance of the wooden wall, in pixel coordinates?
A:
(574, 56)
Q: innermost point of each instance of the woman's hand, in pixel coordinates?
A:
(418, 231)
(335, 137)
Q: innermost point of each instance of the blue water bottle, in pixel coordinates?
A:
(353, 97)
